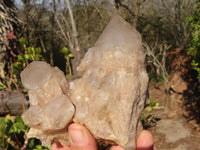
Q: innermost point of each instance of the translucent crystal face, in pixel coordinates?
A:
(59, 112)
(108, 98)
(35, 74)
(33, 116)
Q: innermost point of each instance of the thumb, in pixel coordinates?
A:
(145, 141)
(81, 138)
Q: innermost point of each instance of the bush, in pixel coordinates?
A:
(13, 135)
(194, 48)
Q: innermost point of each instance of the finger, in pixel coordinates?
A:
(81, 138)
(58, 146)
(145, 141)
(117, 147)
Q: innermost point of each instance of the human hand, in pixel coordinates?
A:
(81, 139)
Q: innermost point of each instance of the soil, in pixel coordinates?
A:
(172, 128)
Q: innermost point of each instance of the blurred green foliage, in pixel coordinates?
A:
(152, 105)
(13, 135)
(149, 120)
(65, 51)
(194, 48)
(155, 78)
(67, 55)
(23, 59)
(28, 55)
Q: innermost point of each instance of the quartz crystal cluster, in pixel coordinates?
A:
(108, 98)
(50, 108)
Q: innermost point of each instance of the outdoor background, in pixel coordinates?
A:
(60, 33)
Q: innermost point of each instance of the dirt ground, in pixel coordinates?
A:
(172, 129)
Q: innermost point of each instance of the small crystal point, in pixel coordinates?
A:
(35, 74)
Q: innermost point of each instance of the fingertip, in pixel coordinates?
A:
(145, 141)
(53, 146)
(81, 138)
(58, 146)
(75, 126)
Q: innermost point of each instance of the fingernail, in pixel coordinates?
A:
(77, 136)
(58, 145)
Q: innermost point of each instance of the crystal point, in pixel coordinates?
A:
(114, 82)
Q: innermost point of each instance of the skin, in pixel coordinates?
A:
(81, 139)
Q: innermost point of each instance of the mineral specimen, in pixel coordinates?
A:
(108, 97)
(51, 110)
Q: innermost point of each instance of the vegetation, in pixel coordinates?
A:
(20, 62)
(194, 47)
(149, 120)
(68, 55)
(13, 135)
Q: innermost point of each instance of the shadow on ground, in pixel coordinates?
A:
(192, 97)
(192, 104)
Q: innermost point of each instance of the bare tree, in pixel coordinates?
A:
(70, 37)
(132, 9)
(157, 55)
(167, 19)
(53, 33)
(91, 17)
(74, 30)
(27, 8)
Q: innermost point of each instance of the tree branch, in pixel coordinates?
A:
(74, 30)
